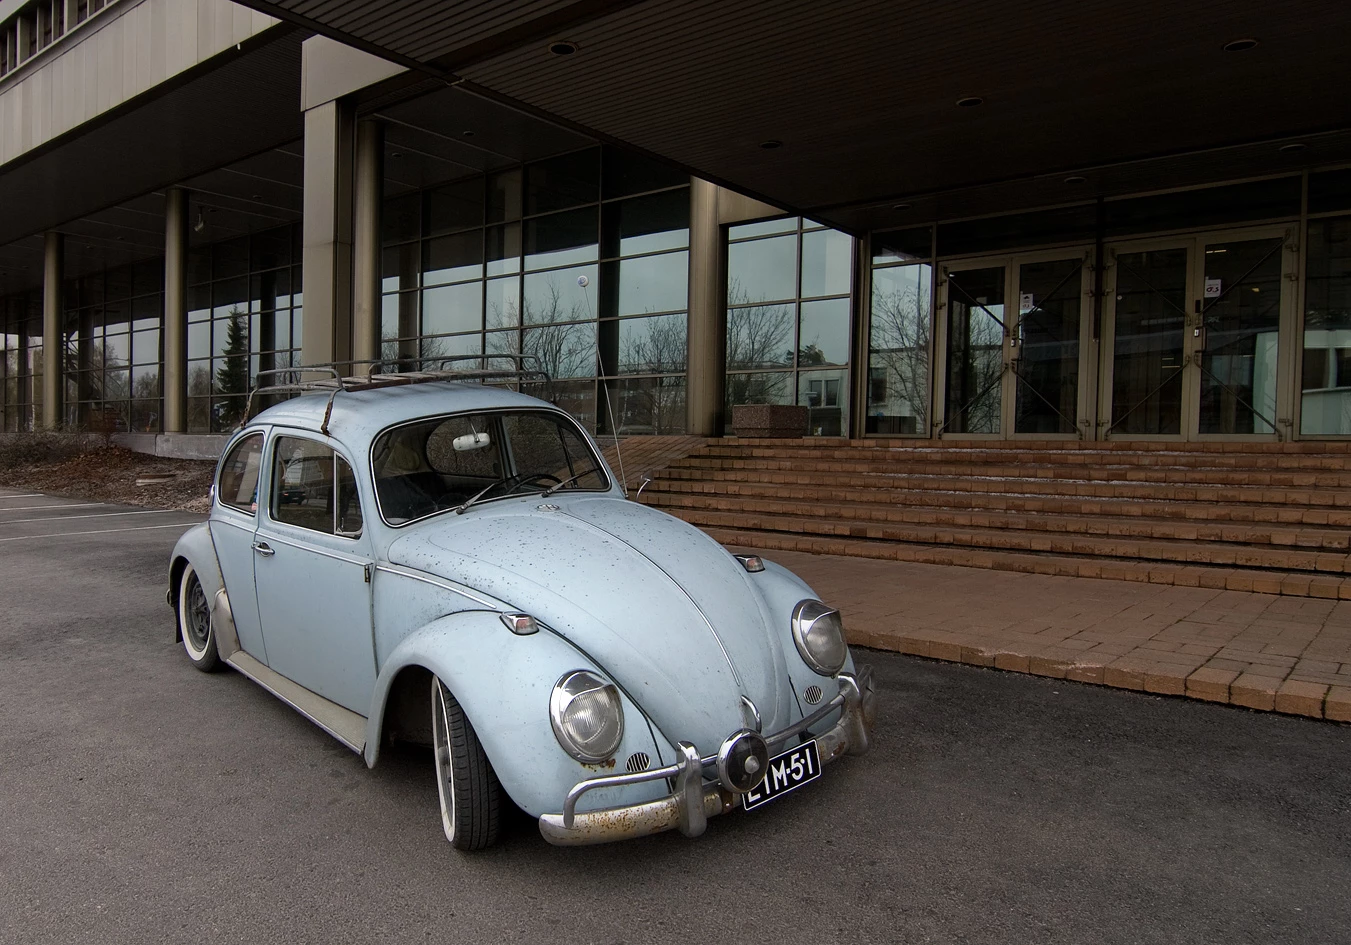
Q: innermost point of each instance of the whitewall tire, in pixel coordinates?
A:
(194, 623)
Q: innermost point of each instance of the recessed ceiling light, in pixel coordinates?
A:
(396, 154)
(900, 206)
(1075, 179)
(970, 101)
(771, 144)
(466, 134)
(257, 196)
(562, 47)
(1238, 45)
(1295, 146)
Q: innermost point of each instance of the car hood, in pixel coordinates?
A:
(661, 607)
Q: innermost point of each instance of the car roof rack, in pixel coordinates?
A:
(527, 368)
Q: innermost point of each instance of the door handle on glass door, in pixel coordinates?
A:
(264, 549)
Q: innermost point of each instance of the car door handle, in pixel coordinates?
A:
(264, 549)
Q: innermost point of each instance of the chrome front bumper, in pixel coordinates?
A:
(694, 799)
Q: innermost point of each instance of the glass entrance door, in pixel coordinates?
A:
(1191, 337)
(1012, 330)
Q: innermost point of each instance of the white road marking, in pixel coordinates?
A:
(101, 531)
(67, 518)
(72, 505)
(25, 495)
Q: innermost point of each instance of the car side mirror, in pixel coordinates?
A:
(471, 441)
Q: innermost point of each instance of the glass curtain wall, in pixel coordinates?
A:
(21, 361)
(899, 333)
(788, 319)
(1325, 399)
(113, 348)
(580, 261)
(245, 309)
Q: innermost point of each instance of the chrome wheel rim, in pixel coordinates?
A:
(196, 615)
(445, 777)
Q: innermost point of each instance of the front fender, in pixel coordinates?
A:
(195, 546)
(503, 683)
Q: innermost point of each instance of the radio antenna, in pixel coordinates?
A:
(582, 283)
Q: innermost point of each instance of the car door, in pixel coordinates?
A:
(234, 519)
(312, 569)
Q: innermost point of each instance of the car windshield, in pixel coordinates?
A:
(444, 463)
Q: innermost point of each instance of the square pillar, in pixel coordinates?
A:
(53, 373)
(174, 379)
(706, 376)
(330, 130)
(366, 256)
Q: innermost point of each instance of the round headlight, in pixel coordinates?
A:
(587, 716)
(819, 635)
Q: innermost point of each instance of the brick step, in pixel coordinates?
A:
(1083, 489)
(1165, 509)
(1020, 456)
(1188, 575)
(1319, 539)
(1305, 479)
(1000, 539)
(1333, 447)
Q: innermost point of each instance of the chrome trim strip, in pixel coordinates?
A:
(328, 716)
(436, 582)
(322, 552)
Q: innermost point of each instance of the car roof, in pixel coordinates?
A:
(358, 415)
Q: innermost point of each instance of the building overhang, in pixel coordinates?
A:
(852, 112)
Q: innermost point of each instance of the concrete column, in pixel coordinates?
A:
(53, 374)
(370, 181)
(707, 339)
(175, 377)
(327, 255)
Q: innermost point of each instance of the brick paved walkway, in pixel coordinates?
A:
(1263, 651)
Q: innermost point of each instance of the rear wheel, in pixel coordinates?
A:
(471, 796)
(194, 623)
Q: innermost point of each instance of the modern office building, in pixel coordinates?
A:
(1053, 221)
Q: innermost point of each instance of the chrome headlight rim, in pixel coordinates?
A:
(570, 686)
(806, 616)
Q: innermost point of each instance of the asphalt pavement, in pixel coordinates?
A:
(142, 801)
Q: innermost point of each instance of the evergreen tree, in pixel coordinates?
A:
(232, 377)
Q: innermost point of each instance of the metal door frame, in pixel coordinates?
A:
(1192, 339)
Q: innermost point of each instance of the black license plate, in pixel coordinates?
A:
(787, 771)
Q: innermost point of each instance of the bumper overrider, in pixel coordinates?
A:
(694, 799)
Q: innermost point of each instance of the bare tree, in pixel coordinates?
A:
(655, 404)
(900, 347)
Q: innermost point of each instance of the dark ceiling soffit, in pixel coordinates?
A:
(173, 84)
(876, 203)
(443, 67)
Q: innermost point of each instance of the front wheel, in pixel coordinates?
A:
(194, 623)
(471, 796)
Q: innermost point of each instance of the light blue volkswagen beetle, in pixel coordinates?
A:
(408, 557)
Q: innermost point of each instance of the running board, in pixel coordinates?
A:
(343, 724)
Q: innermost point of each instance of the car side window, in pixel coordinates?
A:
(314, 488)
(238, 486)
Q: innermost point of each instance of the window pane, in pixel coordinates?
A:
(626, 173)
(503, 306)
(302, 484)
(1325, 401)
(653, 345)
(762, 270)
(561, 239)
(450, 346)
(563, 350)
(504, 249)
(452, 309)
(827, 262)
(456, 206)
(504, 196)
(824, 336)
(825, 394)
(349, 501)
(654, 284)
(239, 475)
(559, 296)
(562, 182)
(453, 258)
(648, 224)
(760, 336)
(903, 245)
(898, 351)
(400, 219)
(145, 347)
(650, 405)
(763, 228)
(400, 268)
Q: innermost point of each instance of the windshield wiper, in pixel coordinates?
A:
(468, 503)
(566, 482)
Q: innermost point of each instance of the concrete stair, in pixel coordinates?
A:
(1269, 517)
